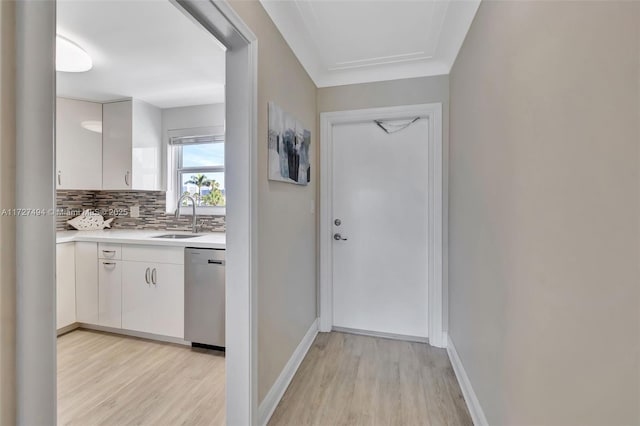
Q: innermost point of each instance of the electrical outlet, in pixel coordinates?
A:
(135, 211)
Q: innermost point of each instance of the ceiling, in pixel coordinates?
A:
(147, 50)
(347, 42)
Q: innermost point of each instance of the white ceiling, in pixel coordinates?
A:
(347, 42)
(148, 50)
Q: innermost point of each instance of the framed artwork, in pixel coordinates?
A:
(288, 148)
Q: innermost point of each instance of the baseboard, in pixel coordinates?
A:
(475, 410)
(273, 397)
(138, 334)
(67, 329)
(382, 335)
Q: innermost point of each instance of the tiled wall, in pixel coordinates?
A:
(114, 203)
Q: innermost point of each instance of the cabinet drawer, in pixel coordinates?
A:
(110, 251)
(155, 254)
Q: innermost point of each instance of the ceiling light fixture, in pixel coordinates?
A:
(70, 57)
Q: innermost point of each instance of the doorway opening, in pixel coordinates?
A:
(126, 169)
(387, 161)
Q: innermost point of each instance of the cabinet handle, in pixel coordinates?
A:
(108, 251)
(59, 177)
(146, 276)
(154, 276)
(108, 263)
(126, 178)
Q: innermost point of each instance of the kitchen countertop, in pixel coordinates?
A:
(135, 236)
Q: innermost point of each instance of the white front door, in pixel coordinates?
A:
(380, 210)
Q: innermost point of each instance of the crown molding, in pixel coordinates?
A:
(297, 23)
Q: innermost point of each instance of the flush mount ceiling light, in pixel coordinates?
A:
(70, 57)
(92, 125)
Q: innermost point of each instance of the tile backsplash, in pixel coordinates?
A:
(118, 204)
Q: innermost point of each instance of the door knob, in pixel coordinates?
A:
(339, 237)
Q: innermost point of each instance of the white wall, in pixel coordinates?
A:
(192, 116)
(544, 212)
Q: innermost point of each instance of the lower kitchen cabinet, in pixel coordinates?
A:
(87, 282)
(153, 298)
(121, 286)
(110, 293)
(65, 285)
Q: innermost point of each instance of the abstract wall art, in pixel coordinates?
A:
(288, 148)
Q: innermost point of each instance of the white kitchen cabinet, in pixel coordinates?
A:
(153, 298)
(136, 296)
(167, 300)
(87, 282)
(65, 285)
(78, 144)
(110, 293)
(132, 146)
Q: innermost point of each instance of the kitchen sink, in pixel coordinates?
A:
(176, 236)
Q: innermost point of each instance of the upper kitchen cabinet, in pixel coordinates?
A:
(78, 144)
(131, 146)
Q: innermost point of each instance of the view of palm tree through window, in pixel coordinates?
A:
(201, 174)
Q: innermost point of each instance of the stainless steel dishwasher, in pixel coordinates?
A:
(204, 296)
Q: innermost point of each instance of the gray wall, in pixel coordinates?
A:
(286, 224)
(7, 223)
(35, 239)
(544, 213)
(408, 91)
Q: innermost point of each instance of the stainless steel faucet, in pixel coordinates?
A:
(194, 226)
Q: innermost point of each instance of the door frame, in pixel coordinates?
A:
(436, 292)
(36, 397)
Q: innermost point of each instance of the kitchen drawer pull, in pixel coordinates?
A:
(108, 263)
(146, 276)
(216, 262)
(108, 251)
(154, 277)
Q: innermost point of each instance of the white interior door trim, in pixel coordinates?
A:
(433, 113)
(241, 128)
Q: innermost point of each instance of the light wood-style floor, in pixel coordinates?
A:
(105, 379)
(345, 379)
(358, 380)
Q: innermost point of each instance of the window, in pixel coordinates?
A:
(198, 171)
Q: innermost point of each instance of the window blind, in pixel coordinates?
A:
(195, 136)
